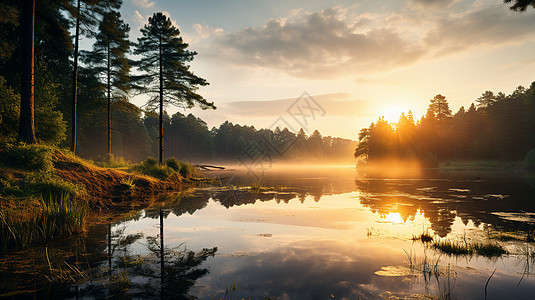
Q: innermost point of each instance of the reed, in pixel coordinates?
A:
(58, 216)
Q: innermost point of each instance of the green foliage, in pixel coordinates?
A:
(173, 163)
(49, 124)
(187, 170)
(9, 111)
(160, 44)
(151, 161)
(57, 216)
(172, 170)
(152, 168)
(111, 161)
(27, 157)
(48, 186)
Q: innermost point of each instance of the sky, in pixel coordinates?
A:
(338, 65)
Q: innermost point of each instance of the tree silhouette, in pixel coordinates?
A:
(108, 58)
(27, 127)
(88, 18)
(165, 73)
(520, 5)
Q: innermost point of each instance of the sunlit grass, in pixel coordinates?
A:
(465, 248)
(111, 161)
(57, 216)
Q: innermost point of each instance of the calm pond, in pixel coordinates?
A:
(322, 233)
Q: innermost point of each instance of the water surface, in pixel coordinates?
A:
(322, 233)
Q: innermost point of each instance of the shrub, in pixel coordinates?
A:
(187, 170)
(152, 168)
(28, 157)
(111, 161)
(151, 161)
(174, 164)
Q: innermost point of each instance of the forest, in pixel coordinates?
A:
(495, 127)
(82, 97)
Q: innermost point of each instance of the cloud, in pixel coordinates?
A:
(332, 43)
(139, 19)
(337, 104)
(204, 32)
(143, 3)
(428, 3)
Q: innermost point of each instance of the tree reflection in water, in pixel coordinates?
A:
(163, 273)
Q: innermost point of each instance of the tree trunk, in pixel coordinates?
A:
(75, 80)
(161, 103)
(26, 125)
(109, 99)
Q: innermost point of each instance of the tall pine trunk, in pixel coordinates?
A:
(161, 102)
(75, 80)
(109, 99)
(26, 125)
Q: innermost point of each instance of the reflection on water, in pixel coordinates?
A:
(326, 233)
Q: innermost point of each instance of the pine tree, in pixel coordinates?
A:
(85, 17)
(439, 107)
(27, 127)
(520, 5)
(108, 59)
(165, 73)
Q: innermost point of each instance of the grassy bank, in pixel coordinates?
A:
(46, 192)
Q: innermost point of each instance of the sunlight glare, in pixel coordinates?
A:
(392, 112)
(394, 218)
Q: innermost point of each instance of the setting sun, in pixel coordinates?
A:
(394, 218)
(391, 113)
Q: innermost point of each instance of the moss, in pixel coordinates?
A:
(28, 157)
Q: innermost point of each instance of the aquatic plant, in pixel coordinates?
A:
(425, 237)
(465, 248)
(57, 216)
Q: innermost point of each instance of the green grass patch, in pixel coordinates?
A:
(27, 157)
(463, 248)
(23, 225)
(172, 170)
(111, 161)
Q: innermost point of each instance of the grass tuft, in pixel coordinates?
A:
(111, 161)
(464, 248)
(56, 216)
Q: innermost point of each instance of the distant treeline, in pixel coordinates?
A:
(189, 138)
(496, 127)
